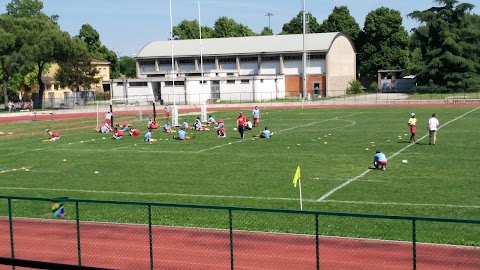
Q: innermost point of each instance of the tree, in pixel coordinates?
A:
(341, 21)
(295, 26)
(28, 9)
(75, 70)
(91, 38)
(384, 43)
(225, 27)
(189, 30)
(450, 45)
(266, 32)
(14, 49)
(128, 67)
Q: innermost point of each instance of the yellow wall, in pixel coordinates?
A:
(103, 74)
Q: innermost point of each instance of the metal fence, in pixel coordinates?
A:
(149, 235)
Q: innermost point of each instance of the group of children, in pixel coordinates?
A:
(120, 130)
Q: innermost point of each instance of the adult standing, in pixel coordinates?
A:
(256, 116)
(241, 120)
(412, 123)
(432, 129)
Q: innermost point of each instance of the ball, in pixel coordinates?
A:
(404, 161)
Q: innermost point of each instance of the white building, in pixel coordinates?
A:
(253, 68)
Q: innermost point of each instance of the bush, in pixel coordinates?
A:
(374, 86)
(355, 87)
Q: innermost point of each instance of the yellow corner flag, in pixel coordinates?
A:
(296, 177)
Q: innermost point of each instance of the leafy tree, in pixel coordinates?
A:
(189, 30)
(266, 31)
(341, 21)
(91, 38)
(14, 49)
(225, 27)
(75, 70)
(384, 43)
(28, 9)
(295, 26)
(128, 67)
(449, 44)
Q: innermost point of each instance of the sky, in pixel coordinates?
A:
(126, 26)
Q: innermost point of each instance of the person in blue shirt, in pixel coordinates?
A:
(380, 160)
(182, 135)
(265, 134)
(167, 128)
(211, 120)
(148, 137)
(256, 117)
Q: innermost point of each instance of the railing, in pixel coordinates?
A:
(150, 235)
(334, 97)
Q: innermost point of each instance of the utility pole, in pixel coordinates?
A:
(269, 16)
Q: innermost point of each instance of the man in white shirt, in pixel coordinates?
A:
(432, 129)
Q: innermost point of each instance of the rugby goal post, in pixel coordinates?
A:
(137, 105)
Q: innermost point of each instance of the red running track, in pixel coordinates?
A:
(127, 247)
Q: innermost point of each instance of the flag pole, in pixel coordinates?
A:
(300, 188)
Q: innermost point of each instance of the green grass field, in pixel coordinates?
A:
(330, 146)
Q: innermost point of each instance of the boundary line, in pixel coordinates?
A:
(392, 156)
(236, 197)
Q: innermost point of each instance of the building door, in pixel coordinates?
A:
(316, 88)
(215, 90)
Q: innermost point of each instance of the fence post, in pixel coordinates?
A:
(317, 251)
(150, 235)
(12, 247)
(79, 248)
(231, 237)
(414, 244)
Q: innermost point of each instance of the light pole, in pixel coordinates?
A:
(269, 16)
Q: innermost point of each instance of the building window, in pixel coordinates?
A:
(292, 57)
(155, 75)
(147, 63)
(55, 86)
(165, 62)
(316, 56)
(230, 74)
(186, 61)
(231, 81)
(249, 59)
(227, 60)
(119, 83)
(245, 81)
(270, 58)
(138, 84)
(169, 83)
(209, 60)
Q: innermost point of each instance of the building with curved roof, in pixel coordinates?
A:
(252, 68)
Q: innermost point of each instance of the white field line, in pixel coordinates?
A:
(280, 131)
(343, 179)
(53, 144)
(125, 149)
(352, 123)
(238, 197)
(392, 156)
(406, 204)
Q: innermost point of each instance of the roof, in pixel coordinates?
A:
(320, 42)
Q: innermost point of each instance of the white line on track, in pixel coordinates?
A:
(328, 194)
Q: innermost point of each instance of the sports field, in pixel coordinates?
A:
(334, 148)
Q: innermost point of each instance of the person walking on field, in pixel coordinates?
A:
(433, 125)
(241, 121)
(256, 117)
(412, 123)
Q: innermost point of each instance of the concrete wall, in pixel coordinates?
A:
(341, 66)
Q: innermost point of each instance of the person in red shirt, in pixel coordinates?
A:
(53, 136)
(241, 121)
(135, 132)
(118, 134)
